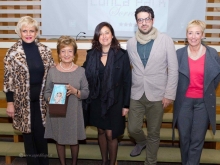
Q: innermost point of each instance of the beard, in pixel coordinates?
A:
(147, 32)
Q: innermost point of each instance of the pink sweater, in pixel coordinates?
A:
(196, 73)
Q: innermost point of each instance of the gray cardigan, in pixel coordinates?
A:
(159, 78)
(211, 80)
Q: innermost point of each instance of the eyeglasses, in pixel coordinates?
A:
(141, 20)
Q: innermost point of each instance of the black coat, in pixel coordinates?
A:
(211, 80)
(122, 89)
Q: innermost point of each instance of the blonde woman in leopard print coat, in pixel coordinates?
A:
(26, 65)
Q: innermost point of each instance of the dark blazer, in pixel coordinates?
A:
(122, 90)
(211, 80)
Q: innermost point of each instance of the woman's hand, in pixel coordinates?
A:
(10, 109)
(71, 90)
(125, 111)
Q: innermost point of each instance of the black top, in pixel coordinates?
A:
(35, 66)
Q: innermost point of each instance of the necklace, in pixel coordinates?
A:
(198, 54)
(67, 68)
(105, 53)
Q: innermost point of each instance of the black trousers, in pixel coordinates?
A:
(35, 145)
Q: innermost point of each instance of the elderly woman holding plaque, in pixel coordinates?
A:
(69, 129)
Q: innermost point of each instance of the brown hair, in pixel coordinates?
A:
(95, 41)
(64, 41)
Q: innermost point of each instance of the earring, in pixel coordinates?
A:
(60, 60)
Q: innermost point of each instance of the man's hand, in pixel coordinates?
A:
(166, 102)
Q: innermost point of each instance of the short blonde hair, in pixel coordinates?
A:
(64, 41)
(26, 21)
(199, 23)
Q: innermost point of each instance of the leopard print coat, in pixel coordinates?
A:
(16, 79)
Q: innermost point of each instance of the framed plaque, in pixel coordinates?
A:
(58, 100)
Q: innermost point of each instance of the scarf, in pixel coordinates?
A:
(92, 75)
(145, 38)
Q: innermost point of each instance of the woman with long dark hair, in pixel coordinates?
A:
(108, 72)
